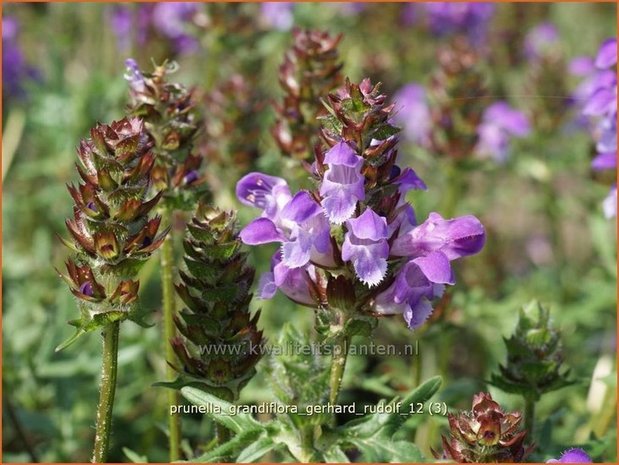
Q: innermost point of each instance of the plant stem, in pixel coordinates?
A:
(529, 415)
(223, 433)
(169, 331)
(338, 364)
(106, 396)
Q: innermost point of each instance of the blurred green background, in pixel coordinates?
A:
(547, 237)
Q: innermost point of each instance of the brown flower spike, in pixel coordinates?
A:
(485, 434)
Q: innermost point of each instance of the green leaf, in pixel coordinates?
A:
(378, 449)
(238, 423)
(134, 457)
(229, 449)
(257, 449)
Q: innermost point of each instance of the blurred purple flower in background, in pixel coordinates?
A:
(141, 22)
(572, 456)
(540, 40)
(468, 18)
(412, 113)
(600, 107)
(15, 70)
(499, 125)
(277, 15)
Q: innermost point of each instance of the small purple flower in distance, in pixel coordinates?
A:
(572, 456)
(15, 71)
(500, 123)
(343, 183)
(413, 113)
(365, 246)
(277, 15)
(171, 20)
(470, 18)
(540, 40)
(409, 14)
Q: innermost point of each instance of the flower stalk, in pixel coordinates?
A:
(107, 392)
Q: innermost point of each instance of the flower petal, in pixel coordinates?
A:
(435, 266)
(261, 231)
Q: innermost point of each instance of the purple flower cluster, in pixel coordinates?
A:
(467, 18)
(15, 70)
(572, 456)
(170, 20)
(500, 123)
(408, 262)
(600, 106)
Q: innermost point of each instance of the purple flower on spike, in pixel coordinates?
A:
(365, 246)
(412, 291)
(268, 193)
(500, 123)
(16, 71)
(300, 226)
(572, 456)
(294, 283)
(456, 238)
(600, 107)
(343, 184)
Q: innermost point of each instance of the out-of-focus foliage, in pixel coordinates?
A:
(547, 237)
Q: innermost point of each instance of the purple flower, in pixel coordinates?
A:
(540, 40)
(15, 71)
(572, 456)
(411, 292)
(298, 223)
(343, 184)
(413, 113)
(600, 107)
(455, 238)
(365, 245)
(500, 123)
(294, 283)
(470, 18)
(134, 76)
(277, 15)
(172, 19)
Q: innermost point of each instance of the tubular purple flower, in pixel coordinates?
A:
(470, 18)
(301, 228)
(365, 246)
(343, 184)
(134, 76)
(456, 238)
(268, 193)
(409, 295)
(572, 456)
(607, 55)
(294, 283)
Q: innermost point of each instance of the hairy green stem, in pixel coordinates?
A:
(338, 364)
(169, 331)
(109, 369)
(529, 416)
